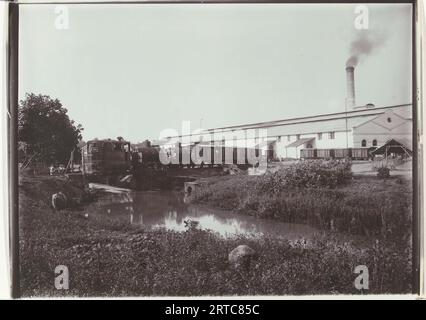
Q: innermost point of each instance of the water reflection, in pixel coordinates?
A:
(168, 209)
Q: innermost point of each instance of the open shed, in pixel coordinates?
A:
(393, 147)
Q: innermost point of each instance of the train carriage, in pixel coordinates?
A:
(338, 153)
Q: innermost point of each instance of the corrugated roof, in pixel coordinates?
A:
(341, 121)
(299, 142)
(317, 127)
(404, 110)
(392, 145)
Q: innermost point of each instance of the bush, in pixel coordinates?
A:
(307, 174)
(366, 206)
(383, 172)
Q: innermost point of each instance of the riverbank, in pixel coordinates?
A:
(106, 258)
(324, 196)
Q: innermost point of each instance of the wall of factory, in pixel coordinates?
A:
(382, 135)
(281, 150)
(320, 141)
(383, 128)
(281, 146)
(293, 152)
(342, 139)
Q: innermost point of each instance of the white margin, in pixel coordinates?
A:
(4, 221)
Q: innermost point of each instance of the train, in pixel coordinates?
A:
(209, 155)
(107, 157)
(337, 153)
(117, 157)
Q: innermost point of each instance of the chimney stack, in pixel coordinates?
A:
(350, 88)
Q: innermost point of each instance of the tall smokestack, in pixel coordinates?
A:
(350, 88)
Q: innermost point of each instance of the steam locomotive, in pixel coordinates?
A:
(105, 157)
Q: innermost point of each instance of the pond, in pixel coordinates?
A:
(167, 209)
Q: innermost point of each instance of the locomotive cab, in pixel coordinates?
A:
(106, 157)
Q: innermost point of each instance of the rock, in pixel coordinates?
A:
(232, 169)
(241, 257)
(191, 224)
(59, 201)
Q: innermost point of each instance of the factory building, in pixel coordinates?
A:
(361, 128)
(357, 127)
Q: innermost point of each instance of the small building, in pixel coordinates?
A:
(392, 148)
(293, 149)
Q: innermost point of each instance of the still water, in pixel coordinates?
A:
(167, 209)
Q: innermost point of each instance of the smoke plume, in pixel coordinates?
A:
(363, 46)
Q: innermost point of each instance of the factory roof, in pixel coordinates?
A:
(299, 142)
(332, 122)
(355, 117)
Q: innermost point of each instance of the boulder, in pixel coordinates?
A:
(59, 201)
(241, 257)
(232, 169)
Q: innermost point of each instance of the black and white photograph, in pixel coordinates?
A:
(215, 149)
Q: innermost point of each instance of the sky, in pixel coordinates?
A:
(134, 70)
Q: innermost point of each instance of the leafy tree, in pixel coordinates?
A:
(45, 132)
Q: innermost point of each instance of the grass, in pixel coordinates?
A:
(106, 258)
(367, 206)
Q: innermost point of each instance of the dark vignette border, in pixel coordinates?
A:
(12, 124)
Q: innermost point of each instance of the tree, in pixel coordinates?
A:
(45, 132)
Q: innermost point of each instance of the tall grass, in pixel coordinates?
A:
(106, 259)
(324, 195)
(194, 263)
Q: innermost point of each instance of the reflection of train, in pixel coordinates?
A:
(353, 153)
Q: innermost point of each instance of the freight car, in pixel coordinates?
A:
(352, 153)
(208, 155)
(219, 155)
(145, 155)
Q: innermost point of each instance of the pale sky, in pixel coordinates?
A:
(134, 70)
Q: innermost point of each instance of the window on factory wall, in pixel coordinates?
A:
(288, 138)
(298, 137)
(331, 135)
(363, 143)
(319, 136)
(374, 143)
